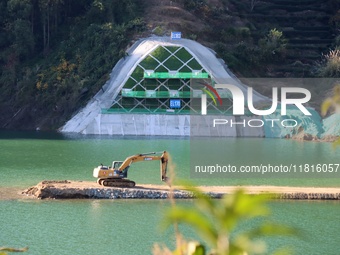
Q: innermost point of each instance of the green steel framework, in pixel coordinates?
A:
(167, 72)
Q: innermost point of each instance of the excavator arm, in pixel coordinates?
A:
(164, 158)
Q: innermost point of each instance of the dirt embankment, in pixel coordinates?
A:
(80, 189)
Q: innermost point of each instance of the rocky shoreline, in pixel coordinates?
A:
(88, 190)
(65, 190)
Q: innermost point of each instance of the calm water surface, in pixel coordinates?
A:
(131, 227)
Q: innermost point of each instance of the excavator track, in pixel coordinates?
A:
(115, 182)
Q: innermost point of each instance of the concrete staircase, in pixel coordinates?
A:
(305, 23)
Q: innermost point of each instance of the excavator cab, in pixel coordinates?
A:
(116, 164)
(119, 173)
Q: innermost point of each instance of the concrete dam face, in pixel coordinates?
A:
(172, 87)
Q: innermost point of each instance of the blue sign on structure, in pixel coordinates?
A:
(176, 35)
(175, 103)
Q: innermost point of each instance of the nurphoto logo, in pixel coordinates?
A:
(239, 104)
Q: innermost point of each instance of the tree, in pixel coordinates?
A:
(49, 10)
(273, 45)
(252, 4)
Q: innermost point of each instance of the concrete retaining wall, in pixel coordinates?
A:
(85, 120)
(171, 125)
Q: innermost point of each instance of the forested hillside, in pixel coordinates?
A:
(56, 54)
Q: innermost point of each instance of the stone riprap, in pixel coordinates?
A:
(89, 190)
(70, 190)
(310, 196)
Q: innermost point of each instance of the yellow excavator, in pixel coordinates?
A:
(115, 176)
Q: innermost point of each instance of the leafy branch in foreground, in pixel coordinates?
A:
(217, 221)
(4, 250)
(333, 103)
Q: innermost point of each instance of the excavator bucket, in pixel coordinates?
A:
(164, 166)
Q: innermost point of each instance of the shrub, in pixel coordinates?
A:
(272, 46)
(331, 64)
(158, 31)
(216, 221)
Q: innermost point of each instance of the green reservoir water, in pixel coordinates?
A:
(132, 226)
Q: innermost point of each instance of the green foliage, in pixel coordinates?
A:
(216, 222)
(57, 53)
(335, 19)
(272, 46)
(202, 8)
(235, 35)
(192, 37)
(253, 3)
(331, 64)
(4, 250)
(332, 103)
(158, 31)
(193, 5)
(247, 54)
(336, 143)
(243, 54)
(244, 32)
(227, 55)
(84, 62)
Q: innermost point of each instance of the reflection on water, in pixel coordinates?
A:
(10, 193)
(128, 227)
(132, 226)
(28, 158)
